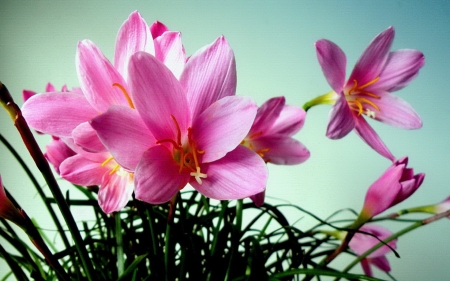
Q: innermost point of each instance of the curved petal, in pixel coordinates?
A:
(158, 96)
(266, 115)
(223, 125)
(282, 150)
(258, 199)
(402, 67)
(82, 171)
(124, 134)
(363, 129)
(333, 62)
(362, 242)
(86, 137)
(133, 36)
(366, 267)
(97, 77)
(115, 192)
(157, 29)
(57, 114)
(381, 262)
(158, 177)
(396, 112)
(56, 152)
(209, 75)
(341, 121)
(373, 59)
(289, 122)
(382, 193)
(170, 50)
(239, 174)
(409, 187)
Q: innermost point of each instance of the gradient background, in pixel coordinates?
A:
(273, 43)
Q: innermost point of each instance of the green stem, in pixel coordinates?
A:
(328, 98)
(41, 162)
(119, 245)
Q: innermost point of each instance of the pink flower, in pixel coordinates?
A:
(116, 184)
(102, 83)
(361, 243)
(395, 185)
(377, 73)
(57, 151)
(271, 136)
(271, 133)
(8, 210)
(197, 123)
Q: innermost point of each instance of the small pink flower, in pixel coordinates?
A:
(377, 73)
(57, 151)
(395, 185)
(361, 243)
(271, 136)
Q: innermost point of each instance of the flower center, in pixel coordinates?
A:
(360, 99)
(115, 168)
(248, 143)
(186, 155)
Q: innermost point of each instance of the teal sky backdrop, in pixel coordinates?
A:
(273, 43)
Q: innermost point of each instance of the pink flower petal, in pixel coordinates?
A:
(333, 62)
(370, 137)
(396, 112)
(239, 174)
(289, 122)
(57, 113)
(258, 198)
(124, 134)
(223, 125)
(209, 75)
(157, 29)
(86, 137)
(170, 50)
(157, 177)
(282, 150)
(381, 262)
(382, 193)
(158, 96)
(133, 36)
(97, 77)
(373, 59)
(267, 115)
(56, 152)
(342, 120)
(82, 171)
(401, 68)
(115, 192)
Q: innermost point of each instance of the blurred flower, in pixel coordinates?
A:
(361, 243)
(8, 210)
(395, 185)
(377, 73)
(271, 136)
(438, 208)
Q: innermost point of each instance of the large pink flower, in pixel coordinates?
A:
(197, 123)
(361, 243)
(377, 73)
(395, 185)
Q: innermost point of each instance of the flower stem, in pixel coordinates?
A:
(41, 162)
(119, 245)
(328, 98)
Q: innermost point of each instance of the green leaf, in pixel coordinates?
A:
(132, 267)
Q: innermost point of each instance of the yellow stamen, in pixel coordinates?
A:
(106, 161)
(114, 169)
(130, 102)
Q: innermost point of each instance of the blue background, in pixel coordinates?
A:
(273, 43)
